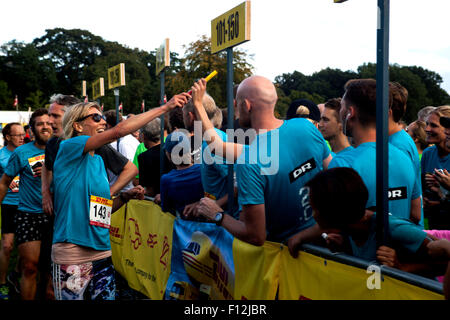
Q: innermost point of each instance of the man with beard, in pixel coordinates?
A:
(32, 224)
(358, 111)
(434, 158)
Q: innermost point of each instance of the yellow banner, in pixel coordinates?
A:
(116, 76)
(312, 277)
(257, 270)
(145, 241)
(98, 88)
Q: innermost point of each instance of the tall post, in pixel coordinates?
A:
(116, 94)
(382, 107)
(162, 154)
(230, 106)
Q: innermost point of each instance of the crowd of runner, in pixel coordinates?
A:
(308, 178)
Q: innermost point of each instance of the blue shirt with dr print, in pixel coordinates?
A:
(403, 141)
(402, 233)
(22, 162)
(402, 176)
(273, 171)
(11, 198)
(77, 176)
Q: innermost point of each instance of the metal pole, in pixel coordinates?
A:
(161, 153)
(116, 94)
(230, 106)
(382, 106)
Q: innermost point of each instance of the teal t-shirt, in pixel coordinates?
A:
(402, 176)
(273, 171)
(77, 176)
(11, 197)
(23, 161)
(403, 141)
(403, 234)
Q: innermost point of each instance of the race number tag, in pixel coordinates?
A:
(35, 163)
(16, 180)
(100, 212)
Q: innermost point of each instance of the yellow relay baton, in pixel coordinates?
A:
(209, 77)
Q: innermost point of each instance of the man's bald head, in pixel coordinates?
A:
(259, 91)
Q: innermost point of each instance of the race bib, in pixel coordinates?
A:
(35, 163)
(100, 210)
(16, 180)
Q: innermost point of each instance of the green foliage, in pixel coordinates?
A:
(61, 59)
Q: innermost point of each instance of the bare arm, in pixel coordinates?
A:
(134, 123)
(326, 162)
(47, 197)
(5, 181)
(128, 173)
(221, 148)
(251, 227)
(416, 210)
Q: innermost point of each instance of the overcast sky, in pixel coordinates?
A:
(286, 35)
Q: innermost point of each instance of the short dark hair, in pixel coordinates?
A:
(399, 99)
(176, 119)
(345, 196)
(37, 113)
(334, 104)
(110, 116)
(7, 130)
(362, 94)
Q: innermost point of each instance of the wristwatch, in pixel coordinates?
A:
(218, 218)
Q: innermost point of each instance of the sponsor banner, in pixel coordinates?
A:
(257, 270)
(310, 277)
(202, 262)
(146, 242)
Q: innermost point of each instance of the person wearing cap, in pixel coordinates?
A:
(358, 113)
(435, 159)
(303, 108)
(183, 185)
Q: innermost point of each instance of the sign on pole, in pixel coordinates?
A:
(231, 28)
(116, 76)
(98, 88)
(162, 56)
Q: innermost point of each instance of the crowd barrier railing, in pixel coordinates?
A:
(164, 257)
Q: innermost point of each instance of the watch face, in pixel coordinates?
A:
(218, 216)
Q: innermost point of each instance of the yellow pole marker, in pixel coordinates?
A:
(209, 77)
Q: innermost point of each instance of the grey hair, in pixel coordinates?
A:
(64, 100)
(152, 130)
(423, 113)
(74, 113)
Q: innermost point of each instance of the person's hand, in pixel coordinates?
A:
(334, 241)
(294, 244)
(189, 210)
(138, 192)
(158, 199)
(443, 178)
(431, 181)
(207, 208)
(430, 203)
(388, 257)
(178, 100)
(439, 248)
(47, 202)
(198, 92)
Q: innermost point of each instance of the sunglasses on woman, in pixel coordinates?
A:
(95, 116)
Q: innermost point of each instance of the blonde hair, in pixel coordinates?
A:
(442, 111)
(71, 116)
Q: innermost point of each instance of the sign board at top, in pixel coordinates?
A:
(98, 88)
(162, 56)
(116, 76)
(231, 28)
